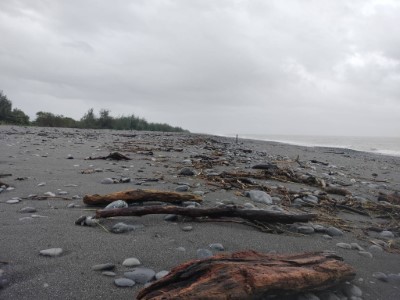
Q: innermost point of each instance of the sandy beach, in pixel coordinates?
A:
(36, 161)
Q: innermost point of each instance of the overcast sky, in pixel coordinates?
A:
(230, 66)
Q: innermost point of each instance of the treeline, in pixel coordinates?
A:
(104, 120)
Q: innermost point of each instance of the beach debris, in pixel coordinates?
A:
(3, 184)
(139, 195)
(52, 252)
(250, 275)
(140, 275)
(231, 211)
(391, 198)
(111, 156)
(124, 282)
(117, 204)
(103, 267)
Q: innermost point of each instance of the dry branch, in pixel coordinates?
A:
(250, 275)
(216, 212)
(135, 196)
(111, 156)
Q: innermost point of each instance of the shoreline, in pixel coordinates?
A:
(52, 160)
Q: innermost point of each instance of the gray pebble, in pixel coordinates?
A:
(131, 262)
(49, 194)
(42, 184)
(103, 267)
(51, 252)
(319, 228)
(380, 276)
(199, 193)
(204, 253)
(140, 275)
(124, 282)
(351, 290)
(366, 254)
(187, 172)
(305, 229)
(171, 218)
(181, 249)
(182, 188)
(386, 234)
(107, 181)
(327, 237)
(217, 247)
(72, 205)
(13, 201)
(356, 247)
(343, 245)
(308, 296)
(260, 197)
(122, 227)
(108, 273)
(328, 296)
(333, 231)
(187, 228)
(375, 248)
(310, 199)
(161, 274)
(116, 204)
(191, 203)
(394, 278)
(63, 193)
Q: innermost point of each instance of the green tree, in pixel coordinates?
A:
(105, 120)
(19, 117)
(5, 108)
(89, 120)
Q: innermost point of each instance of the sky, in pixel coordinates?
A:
(298, 67)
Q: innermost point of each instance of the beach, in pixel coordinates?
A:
(36, 161)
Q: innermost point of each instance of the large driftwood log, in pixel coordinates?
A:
(250, 275)
(132, 196)
(216, 212)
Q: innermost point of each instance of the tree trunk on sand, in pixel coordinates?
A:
(137, 196)
(249, 275)
(217, 212)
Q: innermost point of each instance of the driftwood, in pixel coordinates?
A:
(111, 156)
(3, 184)
(250, 275)
(216, 212)
(137, 196)
(337, 191)
(391, 198)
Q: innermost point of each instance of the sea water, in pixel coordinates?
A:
(381, 145)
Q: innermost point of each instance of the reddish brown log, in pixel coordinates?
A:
(216, 212)
(132, 196)
(249, 275)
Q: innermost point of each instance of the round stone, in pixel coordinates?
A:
(343, 245)
(140, 275)
(380, 276)
(103, 267)
(260, 197)
(52, 252)
(13, 201)
(49, 194)
(186, 172)
(161, 274)
(187, 228)
(305, 229)
(182, 188)
(116, 204)
(108, 273)
(375, 248)
(366, 254)
(28, 210)
(124, 282)
(107, 181)
(204, 253)
(217, 247)
(351, 290)
(386, 234)
(131, 262)
(333, 231)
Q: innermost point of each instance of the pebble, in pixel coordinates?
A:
(28, 210)
(308, 296)
(375, 248)
(181, 249)
(187, 172)
(72, 205)
(107, 181)
(386, 234)
(182, 188)
(366, 254)
(356, 247)
(49, 194)
(131, 262)
(140, 275)
(10, 188)
(333, 231)
(63, 193)
(380, 276)
(259, 196)
(199, 193)
(103, 267)
(171, 218)
(124, 282)
(394, 278)
(305, 229)
(42, 184)
(13, 201)
(217, 247)
(319, 228)
(116, 204)
(76, 197)
(310, 199)
(204, 253)
(161, 274)
(108, 273)
(122, 227)
(351, 290)
(70, 156)
(51, 252)
(191, 204)
(249, 205)
(187, 228)
(343, 245)
(327, 237)
(329, 296)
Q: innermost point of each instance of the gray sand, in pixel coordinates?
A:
(40, 155)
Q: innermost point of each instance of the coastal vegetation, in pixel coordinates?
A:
(103, 120)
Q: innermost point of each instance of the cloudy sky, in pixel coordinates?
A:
(215, 66)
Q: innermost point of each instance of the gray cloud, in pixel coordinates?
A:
(315, 67)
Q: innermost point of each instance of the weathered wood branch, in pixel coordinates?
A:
(250, 275)
(216, 212)
(111, 156)
(132, 196)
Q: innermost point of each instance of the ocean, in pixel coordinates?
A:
(380, 145)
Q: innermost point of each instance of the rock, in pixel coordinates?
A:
(161, 274)
(308, 296)
(356, 247)
(333, 231)
(13, 201)
(63, 193)
(191, 204)
(351, 290)
(107, 181)
(42, 184)
(366, 254)
(386, 234)
(122, 227)
(305, 229)
(319, 228)
(328, 296)
(116, 204)
(53, 252)
(108, 273)
(394, 278)
(260, 197)
(327, 237)
(72, 205)
(171, 218)
(49, 194)
(375, 248)
(380, 276)
(249, 205)
(140, 275)
(204, 253)
(199, 193)
(131, 262)
(103, 267)
(124, 282)
(187, 228)
(310, 199)
(187, 172)
(182, 188)
(70, 156)
(217, 247)
(343, 245)
(181, 249)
